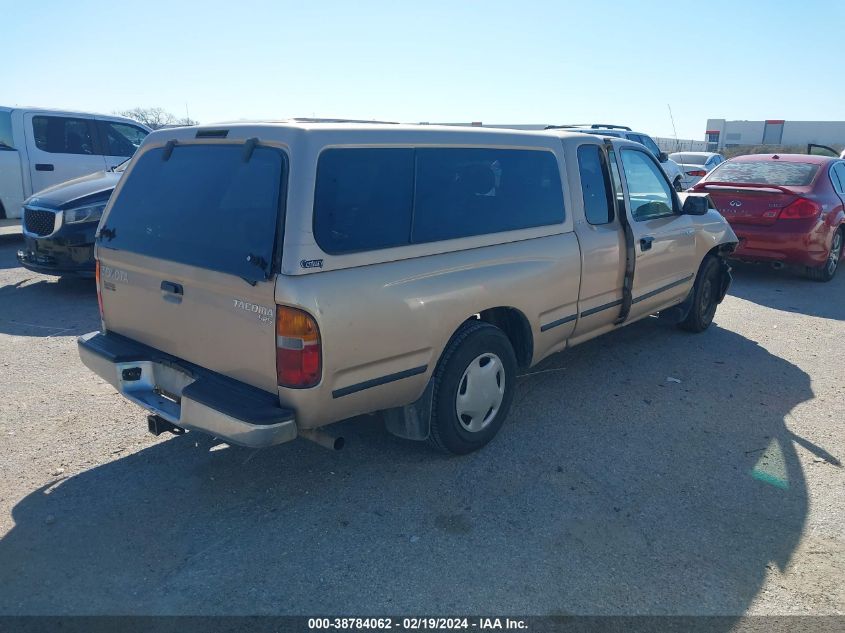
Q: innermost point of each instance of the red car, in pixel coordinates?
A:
(784, 208)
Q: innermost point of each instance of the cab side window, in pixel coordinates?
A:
(648, 191)
(63, 135)
(120, 139)
(595, 185)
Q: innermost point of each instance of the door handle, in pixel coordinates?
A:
(172, 288)
(44, 167)
(645, 243)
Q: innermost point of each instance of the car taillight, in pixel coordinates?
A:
(800, 209)
(99, 289)
(697, 172)
(298, 348)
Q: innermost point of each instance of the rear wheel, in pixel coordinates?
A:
(473, 389)
(677, 184)
(705, 295)
(826, 271)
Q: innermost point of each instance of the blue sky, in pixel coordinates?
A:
(498, 62)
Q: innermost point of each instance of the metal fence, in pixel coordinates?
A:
(670, 145)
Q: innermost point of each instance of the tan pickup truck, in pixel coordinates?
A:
(260, 281)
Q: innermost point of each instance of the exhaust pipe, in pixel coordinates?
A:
(778, 265)
(323, 439)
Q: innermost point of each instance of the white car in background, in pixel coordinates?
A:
(695, 165)
(40, 147)
(670, 168)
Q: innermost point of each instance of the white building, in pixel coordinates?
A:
(721, 133)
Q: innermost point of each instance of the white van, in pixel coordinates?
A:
(41, 147)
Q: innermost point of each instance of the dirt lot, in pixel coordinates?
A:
(611, 489)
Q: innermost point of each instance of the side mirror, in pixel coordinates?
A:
(696, 204)
(663, 157)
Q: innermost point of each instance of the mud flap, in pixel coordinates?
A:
(727, 278)
(413, 421)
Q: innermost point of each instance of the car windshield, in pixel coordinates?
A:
(766, 172)
(689, 159)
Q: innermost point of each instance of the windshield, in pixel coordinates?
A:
(205, 206)
(768, 172)
(689, 159)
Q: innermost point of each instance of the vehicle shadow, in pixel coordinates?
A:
(610, 490)
(788, 290)
(48, 306)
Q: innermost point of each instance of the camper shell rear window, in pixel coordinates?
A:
(211, 206)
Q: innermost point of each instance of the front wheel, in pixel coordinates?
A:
(826, 271)
(473, 389)
(705, 297)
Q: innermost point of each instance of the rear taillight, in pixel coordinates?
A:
(99, 289)
(697, 172)
(298, 348)
(800, 209)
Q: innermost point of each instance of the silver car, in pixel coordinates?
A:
(695, 165)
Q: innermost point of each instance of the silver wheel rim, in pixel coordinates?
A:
(835, 252)
(480, 392)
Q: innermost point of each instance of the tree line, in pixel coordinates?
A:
(155, 118)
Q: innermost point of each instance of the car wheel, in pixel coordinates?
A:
(705, 297)
(677, 184)
(473, 389)
(826, 271)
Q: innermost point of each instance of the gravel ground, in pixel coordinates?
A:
(611, 489)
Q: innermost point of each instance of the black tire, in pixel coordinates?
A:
(474, 341)
(677, 184)
(827, 271)
(705, 297)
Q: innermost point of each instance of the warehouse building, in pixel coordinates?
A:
(721, 133)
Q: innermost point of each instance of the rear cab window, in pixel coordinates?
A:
(596, 188)
(205, 206)
(368, 199)
(767, 172)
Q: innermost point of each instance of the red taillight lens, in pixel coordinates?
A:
(800, 209)
(99, 289)
(298, 348)
(697, 172)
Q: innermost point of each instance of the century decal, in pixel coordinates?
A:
(264, 314)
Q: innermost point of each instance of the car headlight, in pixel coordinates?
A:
(88, 213)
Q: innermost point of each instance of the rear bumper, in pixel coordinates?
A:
(187, 395)
(775, 243)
